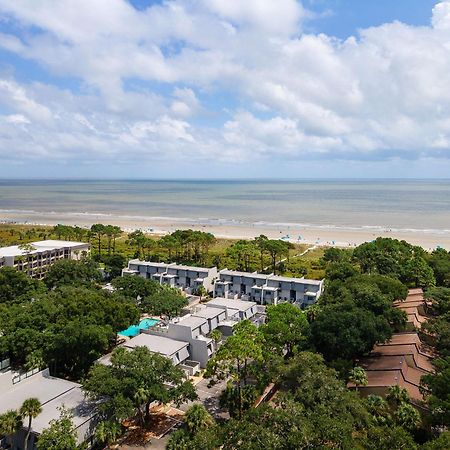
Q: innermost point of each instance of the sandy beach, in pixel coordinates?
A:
(320, 235)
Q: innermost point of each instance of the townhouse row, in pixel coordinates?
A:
(186, 340)
(260, 288)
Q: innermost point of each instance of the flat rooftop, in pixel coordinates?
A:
(262, 276)
(53, 393)
(237, 273)
(207, 313)
(40, 246)
(41, 385)
(75, 401)
(193, 268)
(191, 321)
(147, 263)
(169, 265)
(240, 305)
(296, 280)
(157, 344)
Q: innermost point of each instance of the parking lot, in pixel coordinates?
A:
(209, 397)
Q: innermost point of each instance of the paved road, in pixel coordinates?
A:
(209, 397)
(155, 444)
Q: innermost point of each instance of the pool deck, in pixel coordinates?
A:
(137, 326)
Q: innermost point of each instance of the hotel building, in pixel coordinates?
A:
(35, 258)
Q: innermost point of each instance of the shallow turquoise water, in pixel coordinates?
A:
(133, 330)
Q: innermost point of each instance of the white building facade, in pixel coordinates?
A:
(188, 278)
(267, 289)
(53, 393)
(35, 258)
(257, 287)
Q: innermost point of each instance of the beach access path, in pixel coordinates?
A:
(313, 247)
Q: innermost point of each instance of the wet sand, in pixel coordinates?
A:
(323, 236)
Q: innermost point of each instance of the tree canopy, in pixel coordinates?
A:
(68, 328)
(395, 258)
(286, 328)
(60, 435)
(71, 272)
(17, 287)
(135, 378)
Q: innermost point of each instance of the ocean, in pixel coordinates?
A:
(409, 205)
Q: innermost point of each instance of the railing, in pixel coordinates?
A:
(23, 376)
(5, 363)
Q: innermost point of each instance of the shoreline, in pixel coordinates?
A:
(230, 229)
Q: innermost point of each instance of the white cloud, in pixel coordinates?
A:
(288, 94)
(165, 128)
(441, 16)
(15, 119)
(185, 102)
(282, 16)
(17, 99)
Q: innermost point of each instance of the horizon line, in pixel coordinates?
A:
(260, 179)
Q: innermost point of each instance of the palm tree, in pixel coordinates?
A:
(137, 239)
(397, 395)
(201, 292)
(34, 360)
(107, 432)
(148, 244)
(379, 409)
(140, 397)
(197, 418)
(10, 423)
(116, 232)
(32, 408)
(261, 245)
(358, 376)
(179, 440)
(79, 232)
(407, 416)
(216, 336)
(170, 244)
(97, 231)
(312, 311)
(109, 231)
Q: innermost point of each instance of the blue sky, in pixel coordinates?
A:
(343, 18)
(224, 88)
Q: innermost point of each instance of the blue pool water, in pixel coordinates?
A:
(133, 330)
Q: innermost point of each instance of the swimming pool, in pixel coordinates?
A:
(133, 330)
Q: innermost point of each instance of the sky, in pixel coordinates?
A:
(224, 88)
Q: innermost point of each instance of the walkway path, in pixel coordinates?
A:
(313, 247)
